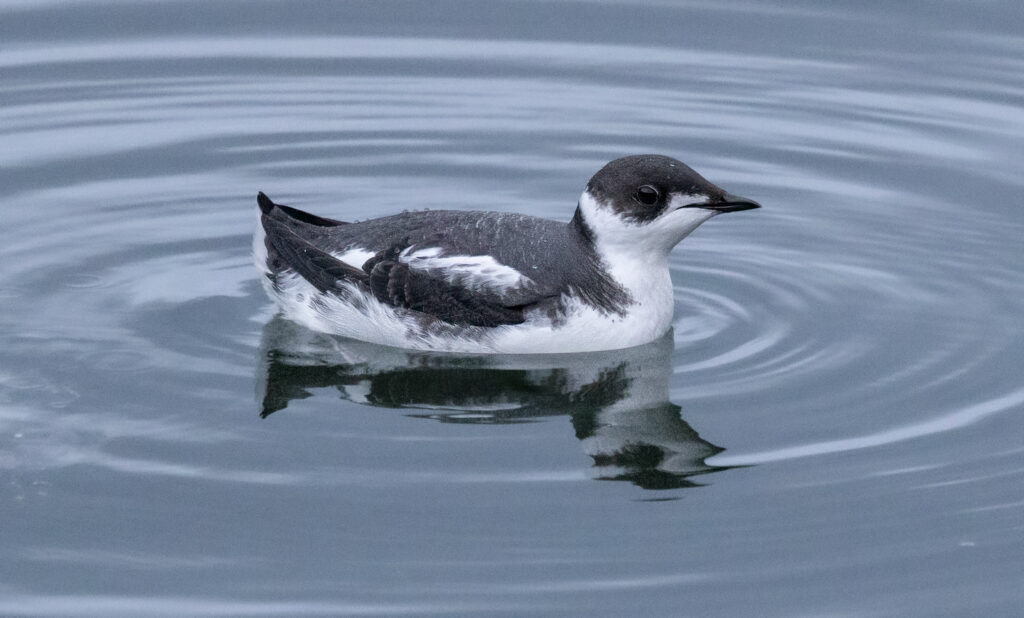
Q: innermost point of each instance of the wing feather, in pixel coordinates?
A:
(324, 271)
(459, 290)
(429, 291)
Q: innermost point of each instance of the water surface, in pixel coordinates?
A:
(833, 427)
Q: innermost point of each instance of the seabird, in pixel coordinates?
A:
(490, 282)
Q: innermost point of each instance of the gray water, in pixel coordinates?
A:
(833, 428)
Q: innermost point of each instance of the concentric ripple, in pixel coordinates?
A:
(854, 346)
(837, 276)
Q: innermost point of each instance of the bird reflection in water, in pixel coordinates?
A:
(617, 400)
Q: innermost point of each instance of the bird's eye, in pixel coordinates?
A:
(647, 195)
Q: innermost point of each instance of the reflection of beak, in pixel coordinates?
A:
(731, 203)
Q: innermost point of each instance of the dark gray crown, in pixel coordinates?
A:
(624, 185)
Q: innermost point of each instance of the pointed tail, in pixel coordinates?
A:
(266, 204)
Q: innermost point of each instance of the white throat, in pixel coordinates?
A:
(636, 254)
(649, 242)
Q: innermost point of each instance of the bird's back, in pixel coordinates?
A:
(522, 242)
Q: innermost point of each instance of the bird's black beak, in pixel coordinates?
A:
(731, 203)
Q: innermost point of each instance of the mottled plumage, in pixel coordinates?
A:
(494, 282)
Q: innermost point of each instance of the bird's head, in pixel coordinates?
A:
(648, 203)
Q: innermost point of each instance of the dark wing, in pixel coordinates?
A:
(395, 283)
(267, 206)
(291, 237)
(320, 268)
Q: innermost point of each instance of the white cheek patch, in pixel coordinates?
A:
(475, 272)
(653, 238)
(679, 200)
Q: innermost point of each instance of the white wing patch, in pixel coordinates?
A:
(475, 272)
(355, 256)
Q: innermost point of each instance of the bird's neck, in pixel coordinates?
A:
(608, 239)
(640, 269)
(579, 228)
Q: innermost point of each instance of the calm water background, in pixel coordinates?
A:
(168, 447)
